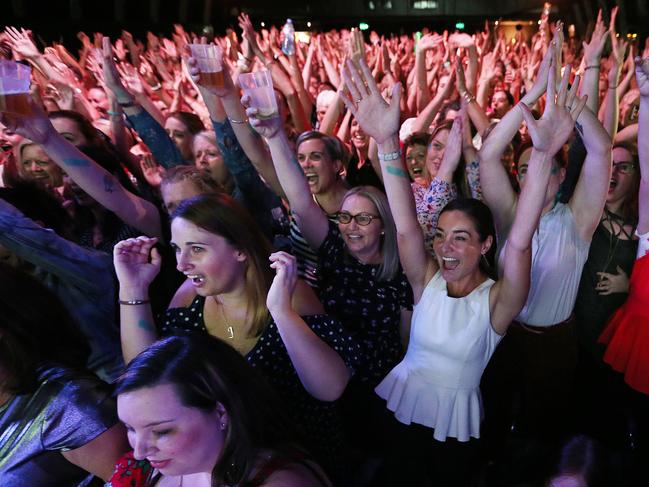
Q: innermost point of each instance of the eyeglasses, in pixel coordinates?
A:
(363, 219)
(624, 167)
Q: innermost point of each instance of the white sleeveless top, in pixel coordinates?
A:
(437, 382)
(558, 258)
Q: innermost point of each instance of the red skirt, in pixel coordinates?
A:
(627, 333)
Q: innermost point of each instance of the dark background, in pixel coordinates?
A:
(60, 19)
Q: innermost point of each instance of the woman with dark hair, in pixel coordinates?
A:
(537, 360)
(603, 288)
(460, 313)
(230, 292)
(214, 423)
(57, 422)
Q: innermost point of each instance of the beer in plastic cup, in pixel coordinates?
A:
(259, 86)
(209, 58)
(14, 87)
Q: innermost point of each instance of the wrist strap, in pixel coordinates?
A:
(128, 104)
(390, 156)
(133, 302)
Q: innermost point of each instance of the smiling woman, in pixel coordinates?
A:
(238, 291)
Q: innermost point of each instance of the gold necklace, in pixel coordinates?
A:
(228, 328)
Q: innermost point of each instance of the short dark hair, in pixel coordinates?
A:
(482, 219)
(333, 146)
(206, 372)
(417, 138)
(36, 329)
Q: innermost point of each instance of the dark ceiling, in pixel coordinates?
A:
(54, 19)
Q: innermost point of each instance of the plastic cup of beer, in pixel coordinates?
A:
(209, 59)
(259, 86)
(14, 87)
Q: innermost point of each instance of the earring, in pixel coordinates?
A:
(223, 425)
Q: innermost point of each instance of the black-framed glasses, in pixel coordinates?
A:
(363, 219)
(624, 167)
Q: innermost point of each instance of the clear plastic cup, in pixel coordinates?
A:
(259, 86)
(209, 59)
(14, 87)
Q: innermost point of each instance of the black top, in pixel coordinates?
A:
(369, 308)
(592, 310)
(318, 421)
(365, 175)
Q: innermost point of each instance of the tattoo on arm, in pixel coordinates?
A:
(75, 161)
(397, 171)
(109, 183)
(145, 325)
(579, 128)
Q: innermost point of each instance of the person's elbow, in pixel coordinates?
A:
(332, 389)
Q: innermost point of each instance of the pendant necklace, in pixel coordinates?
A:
(228, 328)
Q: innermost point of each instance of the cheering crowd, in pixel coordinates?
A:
(428, 267)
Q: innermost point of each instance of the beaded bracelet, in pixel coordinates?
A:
(390, 156)
(238, 121)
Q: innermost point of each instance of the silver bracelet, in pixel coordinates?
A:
(390, 156)
(238, 121)
(133, 302)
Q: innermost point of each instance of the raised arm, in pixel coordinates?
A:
(642, 76)
(587, 202)
(320, 369)
(381, 121)
(90, 176)
(311, 219)
(591, 64)
(153, 134)
(496, 188)
(548, 135)
(224, 105)
(136, 265)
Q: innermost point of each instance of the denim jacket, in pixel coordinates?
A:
(82, 278)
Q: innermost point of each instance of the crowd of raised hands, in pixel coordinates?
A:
(415, 199)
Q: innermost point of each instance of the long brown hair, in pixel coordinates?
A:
(221, 215)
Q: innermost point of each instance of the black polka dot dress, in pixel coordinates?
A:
(368, 308)
(318, 421)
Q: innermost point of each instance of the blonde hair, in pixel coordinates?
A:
(390, 264)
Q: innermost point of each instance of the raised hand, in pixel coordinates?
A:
(429, 41)
(281, 290)
(642, 75)
(616, 62)
(111, 74)
(461, 40)
(363, 98)
(151, 171)
(593, 49)
(562, 108)
(195, 72)
(22, 43)
(266, 127)
(137, 263)
(453, 149)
